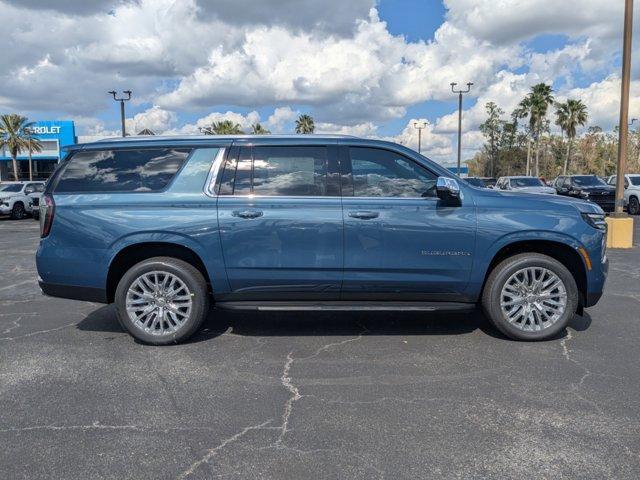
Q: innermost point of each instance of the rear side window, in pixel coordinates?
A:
(131, 170)
(277, 171)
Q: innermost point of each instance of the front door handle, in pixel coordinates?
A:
(364, 215)
(247, 213)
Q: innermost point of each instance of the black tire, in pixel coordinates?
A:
(18, 212)
(634, 206)
(491, 295)
(184, 271)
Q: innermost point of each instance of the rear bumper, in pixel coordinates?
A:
(72, 292)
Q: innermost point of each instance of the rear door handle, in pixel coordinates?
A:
(247, 213)
(364, 215)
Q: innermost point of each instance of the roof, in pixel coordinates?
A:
(182, 138)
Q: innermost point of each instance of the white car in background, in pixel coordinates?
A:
(524, 184)
(631, 191)
(15, 198)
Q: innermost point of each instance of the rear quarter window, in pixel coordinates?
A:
(130, 170)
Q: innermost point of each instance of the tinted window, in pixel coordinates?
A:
(588, 181)
(290, 171)
(476, 182)
(143, 170)
(526, 182)
(635, 180)
(12, 187)
(244, 171)
(229, 173)
(382, 173)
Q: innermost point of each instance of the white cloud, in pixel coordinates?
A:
(155, 118)
(280, 117)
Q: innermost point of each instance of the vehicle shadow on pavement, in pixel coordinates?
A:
(274, 324)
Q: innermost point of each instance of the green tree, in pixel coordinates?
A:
(223, 127)
(16, 137)
(570, 115)
(305, 124)
(257, 129)
(536, 105)
(491, 129)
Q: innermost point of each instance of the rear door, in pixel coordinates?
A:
(401, 242)
(280, 218)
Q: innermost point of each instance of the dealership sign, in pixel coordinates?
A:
(45, 129)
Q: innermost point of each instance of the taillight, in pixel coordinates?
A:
(47, 210)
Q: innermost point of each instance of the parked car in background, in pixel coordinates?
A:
(631, 191)
(163, 227)
(35, 200)
(587, 187)
(524, 184)
(476, 182)
(15, 198)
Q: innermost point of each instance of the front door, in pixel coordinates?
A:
(401, 242)
(280, 218)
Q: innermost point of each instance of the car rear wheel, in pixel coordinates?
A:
(634, 206)
(530, 296)
(18, 212)
(162, 300)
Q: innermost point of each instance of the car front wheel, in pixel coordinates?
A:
(18, 212)
(530, 296)
(162, 300)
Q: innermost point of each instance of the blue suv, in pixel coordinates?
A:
(166, 226)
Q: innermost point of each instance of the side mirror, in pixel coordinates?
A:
(448, 189)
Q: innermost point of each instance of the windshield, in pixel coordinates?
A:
(11, 187)
(635, 180)
(587, 181)
(526, 182)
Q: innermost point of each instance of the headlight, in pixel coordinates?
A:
(596, 220)
(584, 194)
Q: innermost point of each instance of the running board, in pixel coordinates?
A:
(345, 306)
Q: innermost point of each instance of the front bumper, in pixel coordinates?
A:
(5, 210)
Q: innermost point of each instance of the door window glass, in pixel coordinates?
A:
(383, 173)
(289, 171)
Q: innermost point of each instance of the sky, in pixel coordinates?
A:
(362, 67)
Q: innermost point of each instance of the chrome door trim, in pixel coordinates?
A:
(210, 184)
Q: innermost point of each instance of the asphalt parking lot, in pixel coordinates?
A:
(339, 395)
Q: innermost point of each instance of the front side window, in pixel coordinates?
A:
(131, 170)
(383, 173)
(635, 180)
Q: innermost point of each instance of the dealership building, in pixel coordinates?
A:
(53, 135)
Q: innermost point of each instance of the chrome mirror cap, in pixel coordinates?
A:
(447, 188)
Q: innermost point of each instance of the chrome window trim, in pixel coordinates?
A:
(210, 184)
(303, 197)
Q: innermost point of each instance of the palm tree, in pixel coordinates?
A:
(257, 129)
(304, 124)
(536, 104)
(569, 115)
(15, 136)
(522, 111)
(223, 127)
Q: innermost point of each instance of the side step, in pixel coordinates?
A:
(345, 306)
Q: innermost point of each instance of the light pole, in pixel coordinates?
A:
(624, 107)
(420, 126)
(460, 93)
(122, 100)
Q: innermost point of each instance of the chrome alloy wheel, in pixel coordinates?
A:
(533, 298)
(159, 303)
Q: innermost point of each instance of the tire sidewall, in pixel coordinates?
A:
(18, 211)
(188, 274)
(502, 272)
(636, 210)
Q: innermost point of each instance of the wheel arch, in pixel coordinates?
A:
(560, 251)
(132, 254)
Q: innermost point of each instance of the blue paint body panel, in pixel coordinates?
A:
(305, 248)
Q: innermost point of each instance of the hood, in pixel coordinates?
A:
(540, 189)
(561, 200)
(598, 189)
(4, 195)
